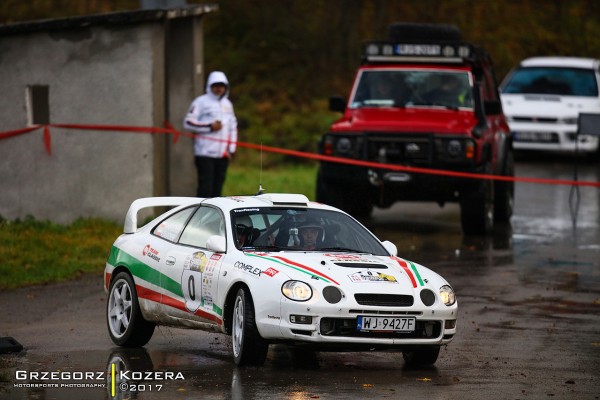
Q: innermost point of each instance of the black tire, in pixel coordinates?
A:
(126, 325)
(421, 356)
(504, 192)
(424, 33)
(249, 348)
(477, 209)
(359, 206)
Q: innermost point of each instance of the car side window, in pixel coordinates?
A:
(171, 227)
(205, 222)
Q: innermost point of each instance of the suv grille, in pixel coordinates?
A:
(384, 300)
(399, 149)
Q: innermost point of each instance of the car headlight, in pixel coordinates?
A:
(447, 295)
(296, 290)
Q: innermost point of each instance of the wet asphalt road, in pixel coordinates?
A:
(529, 319)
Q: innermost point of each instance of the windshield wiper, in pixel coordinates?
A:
(341, 249)
(266, 248)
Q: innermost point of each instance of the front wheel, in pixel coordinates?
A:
(421, 357)
(477, 208)
(249, 348)
(126, 325)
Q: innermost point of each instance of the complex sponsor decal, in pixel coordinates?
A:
(248, 268)
(149, 251)
(370, 276)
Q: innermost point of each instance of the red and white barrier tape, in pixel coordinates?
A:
(169, 130)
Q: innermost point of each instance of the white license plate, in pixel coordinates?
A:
(533, 136)
(386, 324)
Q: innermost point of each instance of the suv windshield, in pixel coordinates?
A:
(301, 229)
(406, 88)
(550, 80)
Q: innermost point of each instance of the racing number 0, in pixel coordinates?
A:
(191, 288)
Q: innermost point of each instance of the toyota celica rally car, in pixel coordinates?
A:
(272, 268)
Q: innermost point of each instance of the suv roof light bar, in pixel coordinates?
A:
(418, 52)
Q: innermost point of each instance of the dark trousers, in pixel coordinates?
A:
(211, 175)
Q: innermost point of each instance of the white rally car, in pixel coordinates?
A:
(272, 268)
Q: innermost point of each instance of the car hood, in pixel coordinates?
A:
(352, 271)
(415, 119)
(548, 105)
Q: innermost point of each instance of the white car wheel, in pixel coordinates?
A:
(126, 325)
(249, 348)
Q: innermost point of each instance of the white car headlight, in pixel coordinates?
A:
(296, 290)
(447, 295)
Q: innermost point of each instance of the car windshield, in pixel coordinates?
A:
(555, 81)
(301, 229)
(413, 88)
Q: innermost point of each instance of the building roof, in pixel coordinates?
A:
(114, 18)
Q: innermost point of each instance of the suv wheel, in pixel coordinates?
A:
(504, 192)
(477, 209)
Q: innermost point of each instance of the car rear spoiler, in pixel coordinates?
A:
(131, 221)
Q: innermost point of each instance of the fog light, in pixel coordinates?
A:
(332, 294)
(450, 324)
(301, 319)
(427, 297)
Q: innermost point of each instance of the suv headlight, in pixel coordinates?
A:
(342, 146)
(296, 290)
(447, 295)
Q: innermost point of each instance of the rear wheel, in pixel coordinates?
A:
(421, 357)
(249, 348)
(504, 192)
(126, 325)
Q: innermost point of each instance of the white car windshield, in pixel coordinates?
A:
(554, 81)
(413, 88)
(301, 229)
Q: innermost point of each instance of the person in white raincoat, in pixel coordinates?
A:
(212, 119)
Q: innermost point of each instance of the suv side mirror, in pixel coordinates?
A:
(337, 103)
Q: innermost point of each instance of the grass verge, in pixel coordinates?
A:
(38, 252)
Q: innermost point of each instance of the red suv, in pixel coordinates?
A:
(423, 99)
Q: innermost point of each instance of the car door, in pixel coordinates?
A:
(191, 270)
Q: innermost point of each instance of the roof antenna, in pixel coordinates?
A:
(260, 188)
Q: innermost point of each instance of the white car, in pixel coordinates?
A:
(272, 268)
(542, 99)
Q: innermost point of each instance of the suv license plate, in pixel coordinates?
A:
(386, 324)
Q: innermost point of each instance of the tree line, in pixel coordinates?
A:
(285, 57)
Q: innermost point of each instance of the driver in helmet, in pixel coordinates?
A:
(310, 234)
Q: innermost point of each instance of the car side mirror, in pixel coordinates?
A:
(337, 103)
(217, 244)
(390, 247)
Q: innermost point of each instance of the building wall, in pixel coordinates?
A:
(95, 76)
